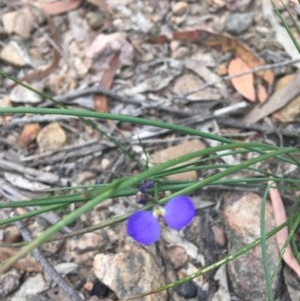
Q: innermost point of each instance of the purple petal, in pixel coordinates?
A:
(179, 212)
(143, 227)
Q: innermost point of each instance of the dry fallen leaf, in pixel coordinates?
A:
(100, 101)
(277, 101)
(226, 44)
(282, 235)
(111, 48)
(243, 84)
(291, 111)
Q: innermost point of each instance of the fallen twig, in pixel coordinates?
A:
(254, 70)
(49, 269)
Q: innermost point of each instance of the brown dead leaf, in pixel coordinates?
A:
(277, 101)
(58, 7)
(100, 101)
(282, 235)
(291, 111)
(243, 84)
(226, 44)
(262, 94)
(29, 134)
(110, 46)
(176, 151)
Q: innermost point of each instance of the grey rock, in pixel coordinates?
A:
(8, 283)
(32, 285)
(292, 284)
(246, 273)
(237, 23)
(130, 273)
(95, 19)
(202, 295)
(37, 298)
(20, 94)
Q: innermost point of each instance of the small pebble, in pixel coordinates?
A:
(188, 290)
(201, 294)
(99, 289)
(237, 23)
(8, 283)
(219, 235)
(179, 8)
(52, 137)
(297, 10)
(21, 94)
(105, 163)
(95, 19)
(178, 256)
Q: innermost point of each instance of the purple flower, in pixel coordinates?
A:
(143, 226)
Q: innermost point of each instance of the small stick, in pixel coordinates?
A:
(254, 70)
(49, 269)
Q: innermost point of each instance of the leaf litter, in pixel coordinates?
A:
(145, 59)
